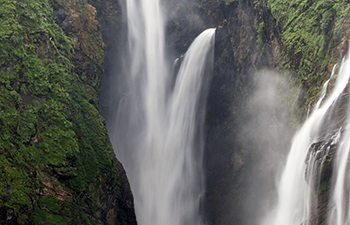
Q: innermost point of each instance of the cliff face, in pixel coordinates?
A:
(57, 164)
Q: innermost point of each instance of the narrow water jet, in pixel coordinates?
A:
(159, 133)
(324, 89)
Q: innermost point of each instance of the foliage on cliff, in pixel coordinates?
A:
(56, 162)
(314, 35)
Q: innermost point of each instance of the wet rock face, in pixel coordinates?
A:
(323, 151)
(238, 55)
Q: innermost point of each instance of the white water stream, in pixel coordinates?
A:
(339, 202)
(295, 189)
(339, 210)
(160, 136)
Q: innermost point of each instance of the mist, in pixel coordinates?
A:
(266, 137)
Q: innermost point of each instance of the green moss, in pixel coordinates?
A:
(227, 2)
(49, 118)
(323, 187)
(262, 37)
(53, 211)
(311, 33)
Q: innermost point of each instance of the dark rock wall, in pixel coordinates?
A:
(238, 56)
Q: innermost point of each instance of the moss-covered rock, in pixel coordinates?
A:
(314, 36)
(57, 164)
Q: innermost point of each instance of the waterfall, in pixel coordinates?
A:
(307, 154)
(159, 137)
(340, 198)
(339, 213)
(324, 89)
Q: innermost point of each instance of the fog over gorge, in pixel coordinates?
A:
(267, 134)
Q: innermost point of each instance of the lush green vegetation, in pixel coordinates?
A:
(55, 154)
(311, 34)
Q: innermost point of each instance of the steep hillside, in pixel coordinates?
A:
(57, 164)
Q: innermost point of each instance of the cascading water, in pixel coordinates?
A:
(339, 213)
(324, 89)
(339, 202)
(160, 120)
(322, 95)
(297, 184)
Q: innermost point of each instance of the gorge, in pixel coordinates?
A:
(201, 100)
